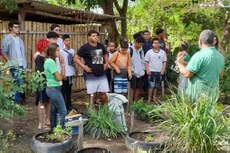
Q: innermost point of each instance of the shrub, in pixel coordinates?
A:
(58, 133)
(5, 138)
(32, 81)
(224, 82)
(101, 124)
(194, 127)
(145, 111)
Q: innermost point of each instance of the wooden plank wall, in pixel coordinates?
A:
(35, 31)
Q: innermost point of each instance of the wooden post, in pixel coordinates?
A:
(128, 96)
(135, 147)
(91, 100)
(80, 135)
(43, 117)
(21, 18)
(132, 121)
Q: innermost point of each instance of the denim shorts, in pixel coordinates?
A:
(154, 80)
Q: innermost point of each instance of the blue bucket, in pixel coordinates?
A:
(74, 130)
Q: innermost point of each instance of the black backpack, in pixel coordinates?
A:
(131, 52)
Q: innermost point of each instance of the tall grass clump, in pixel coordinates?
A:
(101, 123)
(194, 127)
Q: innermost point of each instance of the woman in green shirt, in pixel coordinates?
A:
(53, 90)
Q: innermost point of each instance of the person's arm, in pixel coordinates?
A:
(163, 68)
(77, 59)
(112, 62)
(106, 61)
(76, 68)
(129, 67)
(5, 49)
(186, 73)
(61, 76)
(222, 74)
(62, 63)
(35, 55)
(147, 64)
(147, 67)
(5, 57)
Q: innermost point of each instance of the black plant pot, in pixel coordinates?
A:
(142, 145)
(45, 147)
(94, 150)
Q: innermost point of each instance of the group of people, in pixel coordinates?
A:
(54, 59)
(141, 65)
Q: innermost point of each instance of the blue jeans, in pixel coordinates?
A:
(16, 74)
(57, 106)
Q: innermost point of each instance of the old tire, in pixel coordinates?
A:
(142, 145)
(44, 147)
(94, 150)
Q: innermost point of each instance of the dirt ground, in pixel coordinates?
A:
(26, 126)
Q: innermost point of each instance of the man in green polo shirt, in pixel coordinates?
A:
(204, 69)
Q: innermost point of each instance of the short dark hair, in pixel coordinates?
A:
(65, 36)
(217, 42)
(124, 44)
(93, 32)
(145, 31)
(136, 35)
(155, 39)
(53, 26)
(140, 40)
(184, 46)
(51, 50)
(12, 22)
(52, 34)
(159, 30)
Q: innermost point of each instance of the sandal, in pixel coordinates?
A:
(47, 126)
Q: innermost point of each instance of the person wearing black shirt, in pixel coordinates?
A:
(96, 62)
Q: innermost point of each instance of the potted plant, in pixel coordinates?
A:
(100, 123)
(144, 141)
(58, 141)
(194, 127)
(144, 111)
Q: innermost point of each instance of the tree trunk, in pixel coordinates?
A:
(112, 31)
(113, 34)
(226, 33)
(122, 12)
(124, 26)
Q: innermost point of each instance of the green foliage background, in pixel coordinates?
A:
(181, 20)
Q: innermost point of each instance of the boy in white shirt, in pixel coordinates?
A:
(71, 69)
(155, 64)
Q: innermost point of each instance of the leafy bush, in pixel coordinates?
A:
(145, 111)
(5, 138)
(58, 133)
(32, 81)
(101, 124)
(224, 82)
(194, 127)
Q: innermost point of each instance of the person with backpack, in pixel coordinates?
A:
(70, 70)
(137, 66)
(120, 62)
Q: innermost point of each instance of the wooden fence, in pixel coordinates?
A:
(35, 31)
